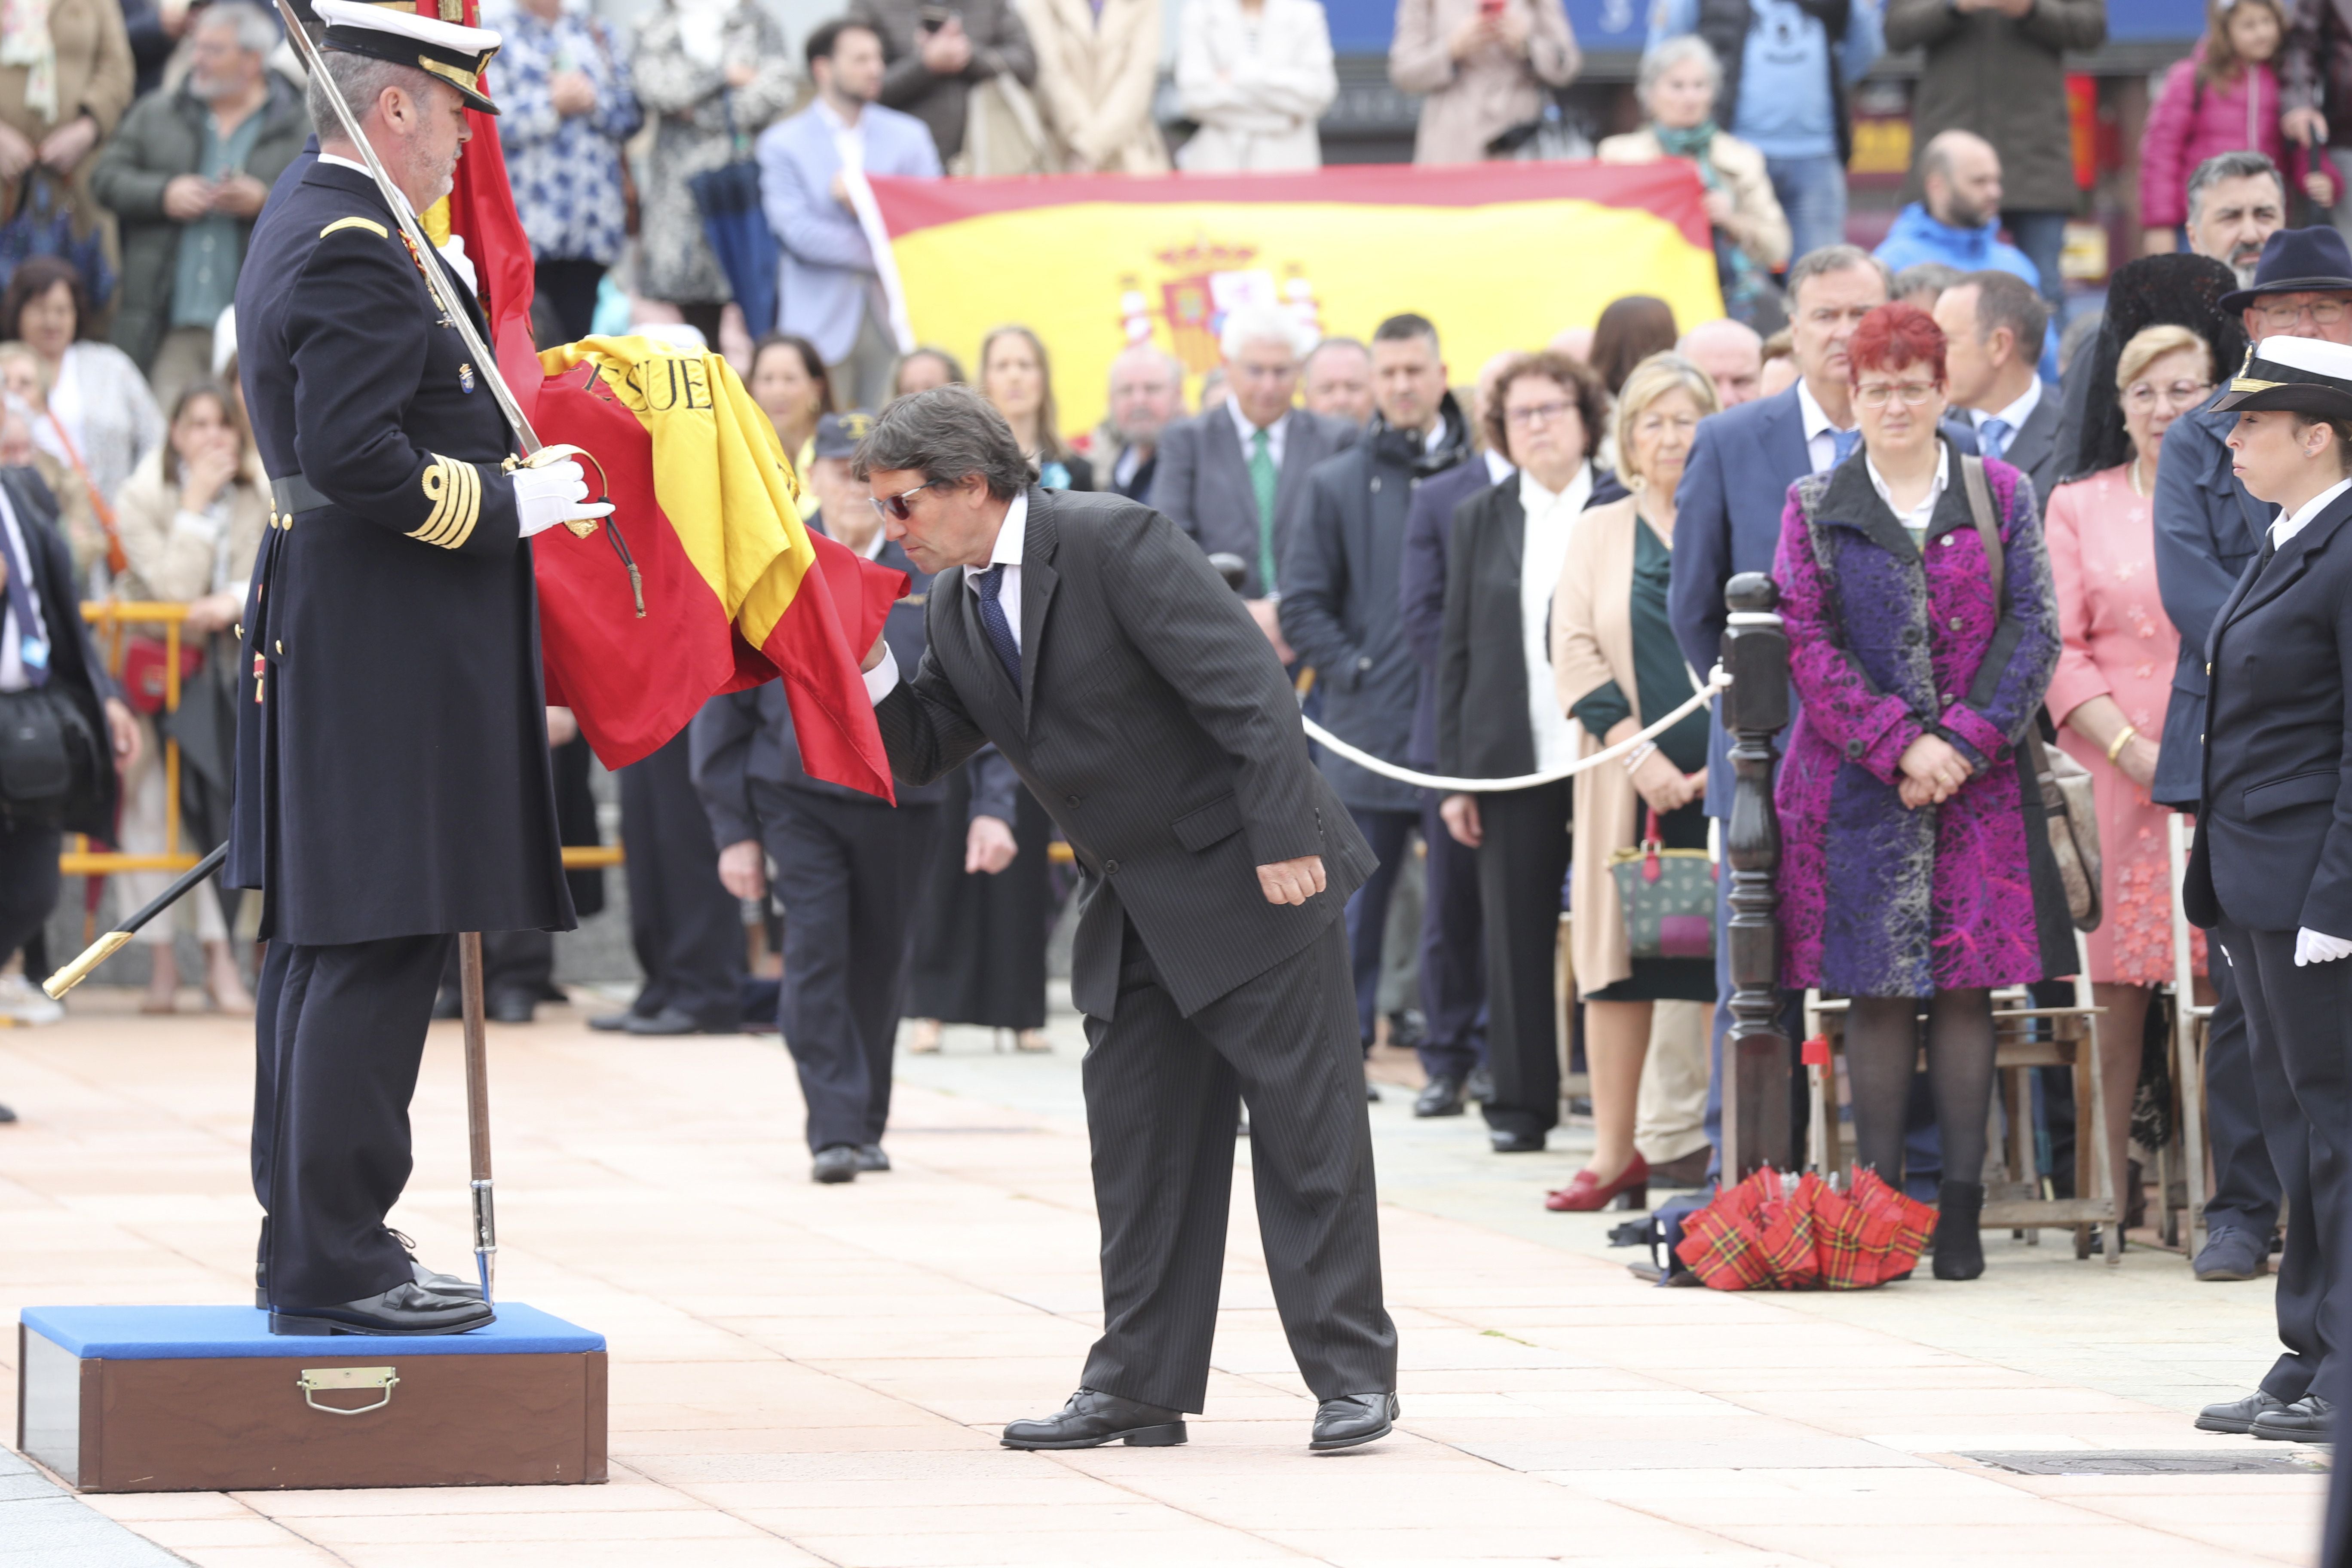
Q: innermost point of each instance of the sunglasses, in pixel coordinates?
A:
(895, 505)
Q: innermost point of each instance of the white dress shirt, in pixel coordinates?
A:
(1821, 447)
(1244, 428)
(11, 635)
(848, 141)
(1914, 522)
(1498, 466)
(2287, 528)
(1012, 539)
(1549, 517)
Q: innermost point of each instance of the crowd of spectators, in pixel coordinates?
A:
(1476, 570)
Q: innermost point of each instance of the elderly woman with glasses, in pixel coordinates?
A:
(1917, 876)
(2109, 694)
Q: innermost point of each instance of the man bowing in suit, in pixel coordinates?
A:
(1111, 665)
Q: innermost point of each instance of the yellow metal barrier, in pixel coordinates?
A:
(112, 616)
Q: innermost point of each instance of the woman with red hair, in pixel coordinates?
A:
(1914, 878)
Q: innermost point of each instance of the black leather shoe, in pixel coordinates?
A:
(449, 1005)
(1093, 1418)
(7, 1115)
(835, 1163)
(403, 1309)
(509, 1007)
(1352, 1420)
(2308, 1420)
(432, 1280)
(1960, 1242)
(2238, 1415)
(1408, 1030)
(1480, 1085)
(2232, 1252)
(612, 1023)
(671, 1021)
(1442, 1097)
(871, 1158)
(1516, 1143)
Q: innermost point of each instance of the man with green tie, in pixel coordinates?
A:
(1234, 479)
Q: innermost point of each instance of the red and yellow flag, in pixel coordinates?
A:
(731, 590)
(1499, 256)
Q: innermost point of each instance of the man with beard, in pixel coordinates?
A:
(1957, 221)
(1339, 610)
(2236, 201)
(186, 176)
(393, 782)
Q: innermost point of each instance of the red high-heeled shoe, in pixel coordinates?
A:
(1588, 1192)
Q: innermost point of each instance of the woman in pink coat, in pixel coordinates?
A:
(2224, 97)
(2114, 675)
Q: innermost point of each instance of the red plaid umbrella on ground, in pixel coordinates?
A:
(1774, 1232)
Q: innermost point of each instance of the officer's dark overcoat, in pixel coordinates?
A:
(393, 776)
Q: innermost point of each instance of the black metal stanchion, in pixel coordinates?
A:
(1756, 1062)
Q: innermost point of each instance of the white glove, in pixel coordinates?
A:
(2317, 947)
(556, 493)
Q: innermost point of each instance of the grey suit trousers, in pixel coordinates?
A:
(1161, 1099)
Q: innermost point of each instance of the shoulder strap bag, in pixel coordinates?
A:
(2068, 802)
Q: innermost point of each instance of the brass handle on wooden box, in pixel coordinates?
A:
(316, 1380)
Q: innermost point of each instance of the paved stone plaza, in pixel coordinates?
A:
(806, 1375)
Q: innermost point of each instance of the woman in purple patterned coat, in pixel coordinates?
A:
(1913, 879)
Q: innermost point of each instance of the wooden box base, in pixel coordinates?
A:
(118, 1399)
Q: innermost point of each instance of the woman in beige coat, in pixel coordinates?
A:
(66, 77)
(1256, 75)
(1677, 87)
(1481, 72)
(191, 518)
(1619, 669)
(1095, 76)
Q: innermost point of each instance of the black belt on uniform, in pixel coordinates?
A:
(293, 495)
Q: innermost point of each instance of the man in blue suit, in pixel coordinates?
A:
(831, 292)
(1727, 512)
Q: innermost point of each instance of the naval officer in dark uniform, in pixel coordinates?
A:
(2272, 868)
(393, 784)
(848, 867)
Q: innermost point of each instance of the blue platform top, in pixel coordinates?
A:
(196, 1333)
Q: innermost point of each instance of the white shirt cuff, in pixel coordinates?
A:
(883, 677)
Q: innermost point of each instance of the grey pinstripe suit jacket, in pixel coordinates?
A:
(1156, 727)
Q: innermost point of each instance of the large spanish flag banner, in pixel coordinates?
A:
(704, 579)
(1499, 256)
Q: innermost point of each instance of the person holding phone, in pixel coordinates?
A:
(937, 54)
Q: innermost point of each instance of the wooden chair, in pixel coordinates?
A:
(2017, 1194)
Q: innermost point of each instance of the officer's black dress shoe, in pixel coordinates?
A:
(612, 1023)
(509, 1007)
(1408, 1029)
(1092, 1418)
(408, 1308)
(836, 1162)
(672, 1021)
(2232, 1252)
(1516, 1143)
(432, 1279)
(871, 1158)
(2308, 1420)
(2238, 1415)
(1441, 1097)
(1480, 1085)
(1352, 1420)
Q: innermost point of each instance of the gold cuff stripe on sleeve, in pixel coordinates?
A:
(368, 223)
(455, 488)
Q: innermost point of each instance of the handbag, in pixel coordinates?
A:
(43, 226)
(1665, 897)
(49, 761)
(735, 227)
(2068, 802)
(145, 682)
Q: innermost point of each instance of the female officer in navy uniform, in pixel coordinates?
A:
(2272, 868)
(392, 778)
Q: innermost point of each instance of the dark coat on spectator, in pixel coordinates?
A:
(1203, 484)
(1000, 43)
(2005, 80)
(160, 139)
(1420, 586)
(74, 665)
(2315, 66)
(1340, 602)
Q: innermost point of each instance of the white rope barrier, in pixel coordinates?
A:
(1717, 679)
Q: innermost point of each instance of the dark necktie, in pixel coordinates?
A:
(34, 651)
(1843, 443)
(991, 582)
